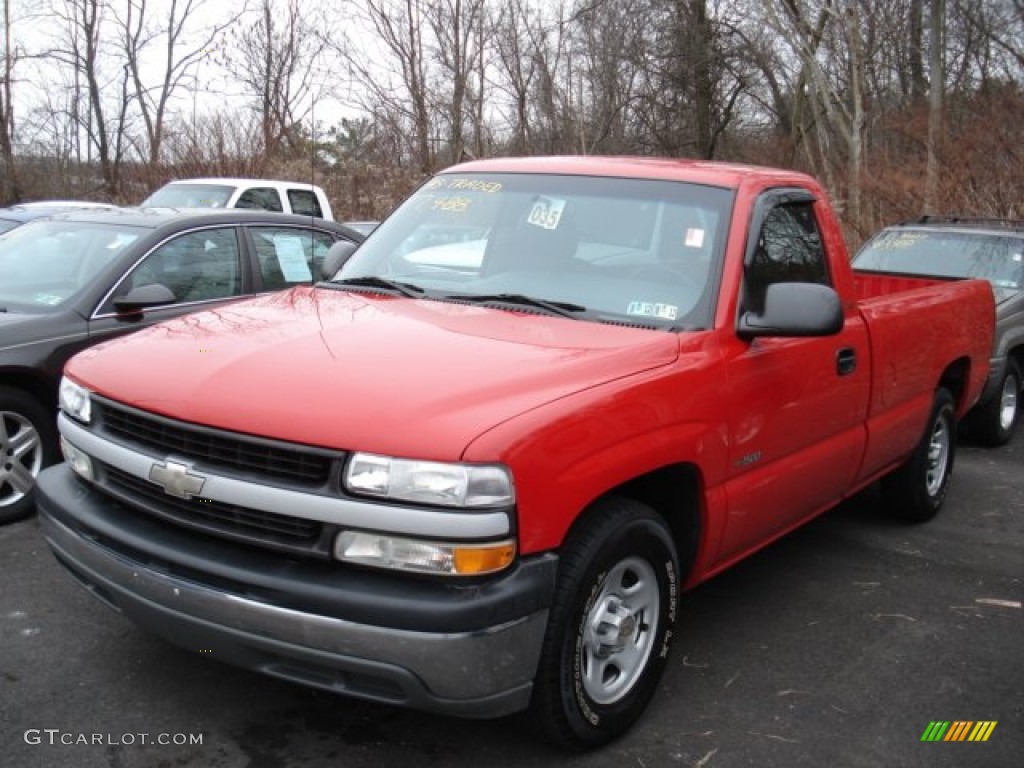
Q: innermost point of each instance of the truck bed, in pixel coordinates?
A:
(919, 330)
(869, 285)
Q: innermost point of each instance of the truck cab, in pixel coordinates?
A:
(271, 195)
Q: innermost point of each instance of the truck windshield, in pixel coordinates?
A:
(940, 253)
(621, 250)
(190, 196)
(45, 262)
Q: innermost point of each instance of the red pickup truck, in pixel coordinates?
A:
(473, 471)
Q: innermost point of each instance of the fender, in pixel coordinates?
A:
(562, 462)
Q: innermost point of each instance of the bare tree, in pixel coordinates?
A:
(516, 70)
(277, 60)
(396, 86)
(835, 83)
(10, 188)
(457, 27)
(82, 51)
(937, 75)
(181, 52)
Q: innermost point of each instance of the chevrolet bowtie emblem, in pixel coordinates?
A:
(176, 479)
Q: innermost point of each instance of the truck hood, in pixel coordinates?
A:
(361, 371)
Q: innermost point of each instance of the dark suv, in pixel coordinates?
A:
(992, 249)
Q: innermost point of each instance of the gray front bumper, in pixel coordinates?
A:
(480, 673)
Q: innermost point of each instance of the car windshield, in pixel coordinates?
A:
(998, 258)
(190, 196)
(45, 262)
(617, 250)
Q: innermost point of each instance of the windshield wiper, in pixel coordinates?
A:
(560, 308)
(369, 281)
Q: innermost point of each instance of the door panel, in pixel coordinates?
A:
(796, 434)
(798, 405)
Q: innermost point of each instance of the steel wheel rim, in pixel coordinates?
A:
(21, 457)
(619, 629)
(1008, 403)
(938, 455)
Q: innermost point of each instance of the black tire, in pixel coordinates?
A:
(915, 492)
(993, 423)
(28, 442)
(610, 625)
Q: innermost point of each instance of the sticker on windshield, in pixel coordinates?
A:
(652, 309)
(546, 212)
(49, 299)
(453, 204)
(120, 241)
(694, 237)
(899, 240)
(469, 185)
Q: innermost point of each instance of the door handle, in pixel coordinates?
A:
(846, 361)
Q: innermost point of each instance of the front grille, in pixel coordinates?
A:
(293, 464)
(242, 523)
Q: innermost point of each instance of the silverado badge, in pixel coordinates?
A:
(176, 479)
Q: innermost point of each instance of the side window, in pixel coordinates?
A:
(305, 202)
(196, 266)
(289, 256)
(789, 250)
(266, 198)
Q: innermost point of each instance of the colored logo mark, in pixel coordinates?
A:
(958, 730)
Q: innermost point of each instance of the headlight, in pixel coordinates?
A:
(429, 482)
(74, 400)
(382, 550)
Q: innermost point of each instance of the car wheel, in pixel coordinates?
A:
(994, 421)
(610, 625)
(915, 492)
(27, 444)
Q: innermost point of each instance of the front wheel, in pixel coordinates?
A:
(27, 444)
(610, 625)
(995, 420)
(915, 492)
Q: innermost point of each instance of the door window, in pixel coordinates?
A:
(304, 202)
(266, 198)
(289, 256)
(196, 266)
(789, 250)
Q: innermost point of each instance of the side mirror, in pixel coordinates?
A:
(138, 299)
(336, 257)
(795, 309)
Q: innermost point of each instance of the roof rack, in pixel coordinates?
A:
(968, 221)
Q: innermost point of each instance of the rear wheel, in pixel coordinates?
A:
(610, 625)
(27, 440)
(915, 492)
(995, 420)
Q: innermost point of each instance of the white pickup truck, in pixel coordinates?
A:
(266, 194)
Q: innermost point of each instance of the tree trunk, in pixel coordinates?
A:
(10, 188)
(703, 88)
(938, 79)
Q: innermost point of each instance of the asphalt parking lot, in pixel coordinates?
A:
(837, 646)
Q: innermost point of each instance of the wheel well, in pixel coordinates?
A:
(1017, 354)
(674, 493)
(33, 386)
(954, 378)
